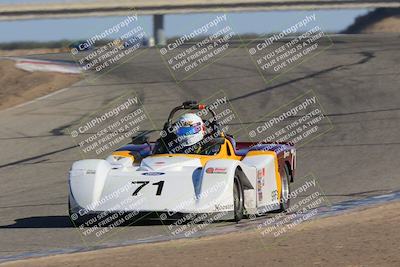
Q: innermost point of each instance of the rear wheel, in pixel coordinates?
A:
(238, 199)
(285, 192)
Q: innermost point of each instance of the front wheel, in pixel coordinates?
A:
(238, 199)
(285, 192)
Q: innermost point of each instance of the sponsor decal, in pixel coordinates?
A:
(261, 173)
(259, 190)
(224, 207)
(91, 172)
(274, 195)
(260, 183)
(216, 170)
(209, 170)
(153, 173)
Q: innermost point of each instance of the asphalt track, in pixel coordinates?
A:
(356, 81)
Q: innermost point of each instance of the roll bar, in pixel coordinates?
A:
(188, 105)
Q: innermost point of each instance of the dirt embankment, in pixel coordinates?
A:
(18, 86)
(362, 238)
(378, 21)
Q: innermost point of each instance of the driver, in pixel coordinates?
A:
(190, 131)
(189, 136)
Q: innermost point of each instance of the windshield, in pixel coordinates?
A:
(171, 145)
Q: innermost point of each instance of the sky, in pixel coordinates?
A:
(254, 22)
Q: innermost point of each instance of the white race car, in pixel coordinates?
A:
(146, 180)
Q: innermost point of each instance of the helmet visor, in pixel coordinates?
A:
(189, 130)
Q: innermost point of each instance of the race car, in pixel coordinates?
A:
(154, 180)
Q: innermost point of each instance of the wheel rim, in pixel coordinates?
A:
(236, 197)
(285, 188)
(238, 201)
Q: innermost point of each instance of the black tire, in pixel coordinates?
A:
(285, 192)
(80, 220)
(70, 213)
(238, 199)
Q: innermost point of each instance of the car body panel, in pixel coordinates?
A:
(191, 183)
(138, 177)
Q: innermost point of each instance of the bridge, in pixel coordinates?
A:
(158, 8)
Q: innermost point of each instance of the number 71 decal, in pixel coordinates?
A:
(159, 184)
